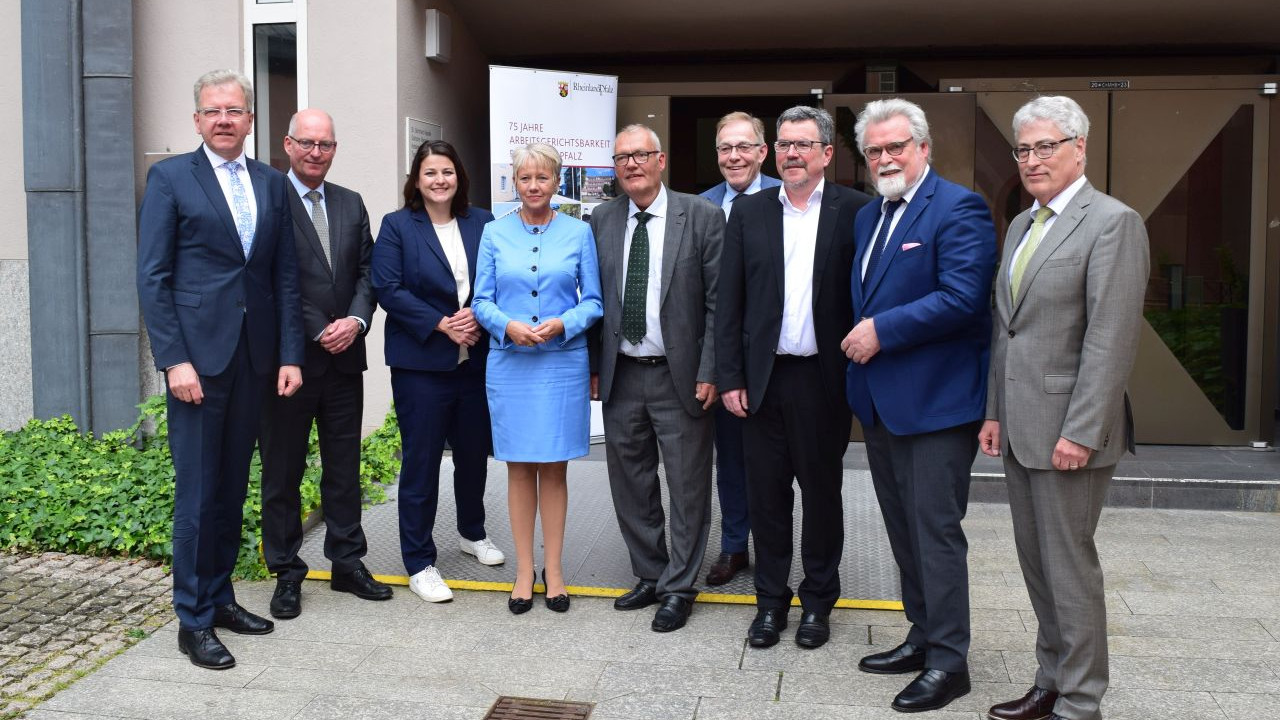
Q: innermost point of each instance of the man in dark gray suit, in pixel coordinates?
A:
(653, 367)
(1069, 297)
(334, 246)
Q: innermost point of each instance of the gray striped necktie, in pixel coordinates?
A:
(321, 223)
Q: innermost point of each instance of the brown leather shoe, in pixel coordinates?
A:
(726, 566)
(1037, 704)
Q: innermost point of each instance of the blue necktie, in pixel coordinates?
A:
(877, 250)
(240, 203)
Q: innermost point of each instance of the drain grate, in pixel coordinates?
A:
(518, 708)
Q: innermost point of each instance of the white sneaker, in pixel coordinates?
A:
(428, 585)
(484, 550)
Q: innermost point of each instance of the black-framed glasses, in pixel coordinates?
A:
(894, 149)
(1043, 149)
(326, 146)
(640, 156)
(742, 148)
(234, 113)
(802, 146)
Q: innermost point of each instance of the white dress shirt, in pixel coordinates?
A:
(651, 345)
(456, 253)
(1058, 205)
(902, 210)
(799, 241)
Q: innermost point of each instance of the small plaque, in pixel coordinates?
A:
(417, 132)
(1108, 84)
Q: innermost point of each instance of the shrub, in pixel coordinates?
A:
(67, 491)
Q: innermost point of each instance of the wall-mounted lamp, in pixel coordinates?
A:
(439, 30)
(1268, 89)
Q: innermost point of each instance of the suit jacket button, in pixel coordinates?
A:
(534, 293)
(240, 304)
(535, 248)
(534, 268)
(535, 318)
(1012, 333)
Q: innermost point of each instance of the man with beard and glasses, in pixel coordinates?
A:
(921, 287)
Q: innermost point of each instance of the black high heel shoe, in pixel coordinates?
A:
(559, 603)
(520, 606)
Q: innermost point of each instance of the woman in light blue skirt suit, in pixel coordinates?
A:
(537, 291)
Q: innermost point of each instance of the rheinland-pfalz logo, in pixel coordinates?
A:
(564, 88)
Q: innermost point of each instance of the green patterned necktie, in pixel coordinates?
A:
(637, 287)
(1024, 258)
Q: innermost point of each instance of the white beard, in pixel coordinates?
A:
(892, 186)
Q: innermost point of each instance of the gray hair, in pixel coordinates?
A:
(638, 127)
(739, 116)
(800, 113)
(293, 121)
(541, 155)
(214, 78)
(878, 111)
(1057, 109)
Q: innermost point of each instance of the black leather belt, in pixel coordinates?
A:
(787, 359)
(645, 359)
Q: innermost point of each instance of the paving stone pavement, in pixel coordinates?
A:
(1193, 610)
(62, 616)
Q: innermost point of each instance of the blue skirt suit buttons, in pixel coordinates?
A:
(539, 397)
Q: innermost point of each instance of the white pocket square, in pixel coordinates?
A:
(908, 246)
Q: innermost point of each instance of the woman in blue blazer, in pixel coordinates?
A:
(424, 267)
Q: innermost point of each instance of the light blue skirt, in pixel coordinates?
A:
(540, 404)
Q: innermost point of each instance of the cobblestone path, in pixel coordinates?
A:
(61, 616)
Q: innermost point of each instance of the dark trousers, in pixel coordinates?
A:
(335, 402)
(731, 482)
(211, 445)
(922, 484)
(797, 433)
(433, 407)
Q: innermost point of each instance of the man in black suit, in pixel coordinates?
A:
(784, 306)
(334, 246)
(218, 286)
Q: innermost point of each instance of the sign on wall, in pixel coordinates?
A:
(575, 113)
(417, 132)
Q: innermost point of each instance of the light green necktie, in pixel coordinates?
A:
(1024, 258)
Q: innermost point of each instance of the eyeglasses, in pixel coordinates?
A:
(326, 146)
(742, 148)
(802, 146)
(1043, 150)
(218, 113)
(894, 149)
(640, 156)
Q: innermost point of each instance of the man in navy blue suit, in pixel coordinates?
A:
(218, 285)
(740, 151)
(921, 287)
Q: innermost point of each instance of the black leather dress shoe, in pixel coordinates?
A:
(764, 629)
(726, 566)
(238, 620)
(932, 690)
(360, 583)
(903, 659)
(672, 615)
(813, 631)
(1037, 704)
(204, 649)
(642, 595)
(286, 601)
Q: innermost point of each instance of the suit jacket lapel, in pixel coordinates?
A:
(208, 181)
(776, 254)
(258, 176)
(470, 230)
(1054, 238)
(333, 216)
(672, 240)
(614, 241)
(910, 215)
(429, 238)
(1017, 229)
(302, 221)
(826, 235)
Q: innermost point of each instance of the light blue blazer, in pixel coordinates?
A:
(534, 278)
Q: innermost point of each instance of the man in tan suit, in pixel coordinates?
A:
(1069, 296)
